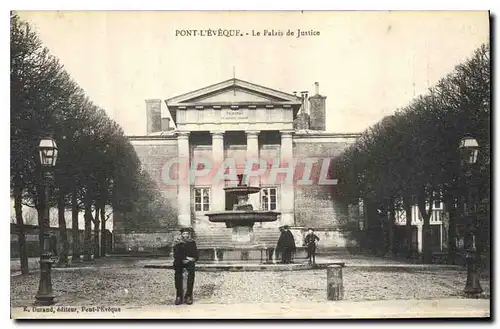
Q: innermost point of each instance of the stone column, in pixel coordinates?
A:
(218, 202)
(253, 153)
(287, 188)
(183, 187)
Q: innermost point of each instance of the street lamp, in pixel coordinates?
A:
(469, 149)
(48, 157)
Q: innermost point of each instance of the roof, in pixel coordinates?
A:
(217, 94)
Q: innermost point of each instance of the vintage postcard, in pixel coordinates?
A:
(250, 165)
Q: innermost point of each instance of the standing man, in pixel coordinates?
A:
(185, 256)
(310, 244)
(286, 245)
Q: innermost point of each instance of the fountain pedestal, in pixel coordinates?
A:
(242, 218)
(243, 234)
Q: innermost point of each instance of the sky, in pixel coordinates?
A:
(368, 64)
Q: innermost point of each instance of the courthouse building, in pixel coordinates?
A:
(236, 120)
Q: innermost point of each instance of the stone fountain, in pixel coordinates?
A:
(244, 254)
(243, 217)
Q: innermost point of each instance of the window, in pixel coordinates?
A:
(201, 199)
(268, 198)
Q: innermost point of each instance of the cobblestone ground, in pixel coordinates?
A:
(126, 284)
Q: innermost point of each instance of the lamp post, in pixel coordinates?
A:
(469, 149)
(48, 156)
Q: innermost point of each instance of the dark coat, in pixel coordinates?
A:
(310, 241)
(183, 249)
(286, 241)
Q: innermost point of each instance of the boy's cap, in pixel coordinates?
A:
(185, 229)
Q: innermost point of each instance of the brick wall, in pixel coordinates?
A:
(314, 204)
(317, 110)
(153, 115)
(153, 155)
(315, 207)
(153, 159)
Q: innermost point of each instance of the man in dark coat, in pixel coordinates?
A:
(185, 257)
(310, 244)
(286, 245)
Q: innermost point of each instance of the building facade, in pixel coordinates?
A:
(217, 131)
(438, 227)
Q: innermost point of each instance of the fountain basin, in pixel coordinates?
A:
(237, 218)
(242, 218)
(242, 190)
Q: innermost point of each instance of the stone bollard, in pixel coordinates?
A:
(334, 284)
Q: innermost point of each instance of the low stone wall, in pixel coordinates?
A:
(31, 234)
(329, 238)
(161, 241)
(125, 242)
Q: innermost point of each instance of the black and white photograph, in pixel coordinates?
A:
(250, 164)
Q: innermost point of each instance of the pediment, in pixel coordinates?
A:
(233, 91)
(234, 94)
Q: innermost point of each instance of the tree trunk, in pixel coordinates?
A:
(74, 227)
(87, 244)
(103, 231)
(452, 235)
(392, 223)
(426, 248)
(97, 252)
(409, 232)
(63, 233)
(375, 229)
(23, 252)
(426, 216)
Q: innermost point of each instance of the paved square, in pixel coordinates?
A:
(125, 282)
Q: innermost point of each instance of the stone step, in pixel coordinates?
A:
(208, 239)
(214, 236)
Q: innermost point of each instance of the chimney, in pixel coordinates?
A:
(302, 120)
(295, 93)
(165, 124)
(304, 101)
(317, 110)
(153, 115)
